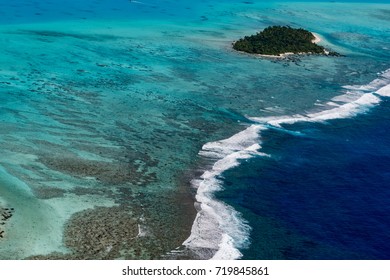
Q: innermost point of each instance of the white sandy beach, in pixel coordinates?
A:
(317, 38)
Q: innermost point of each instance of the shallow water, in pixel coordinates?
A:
(108, 103)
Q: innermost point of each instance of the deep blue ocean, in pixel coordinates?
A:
(321, 195)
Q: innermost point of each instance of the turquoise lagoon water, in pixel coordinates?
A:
(114, 114)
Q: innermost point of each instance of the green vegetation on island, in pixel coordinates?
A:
(277, 40)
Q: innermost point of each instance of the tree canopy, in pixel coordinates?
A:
(276, 40)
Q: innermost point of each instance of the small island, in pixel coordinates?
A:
(278, 41)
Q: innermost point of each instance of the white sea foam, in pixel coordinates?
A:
(356, 105)
(384, 91)
(218, 227)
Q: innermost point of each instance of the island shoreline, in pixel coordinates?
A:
(317, 39)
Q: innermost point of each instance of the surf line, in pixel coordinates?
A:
(219, 231)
